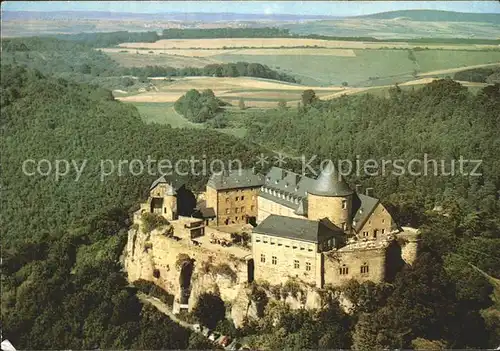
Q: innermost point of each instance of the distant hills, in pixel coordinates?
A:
(437, 16)
(168, 16)
(413, 15)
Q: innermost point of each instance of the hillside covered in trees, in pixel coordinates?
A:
(62, 284)
(458, 214)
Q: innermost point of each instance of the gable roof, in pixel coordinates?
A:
(175, 182)
(362, 207)
(298, 228)
(235, 179)
(330, 183)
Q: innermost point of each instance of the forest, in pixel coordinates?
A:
(480, 75)
(238, 69)
(198, 107)
(63, 286)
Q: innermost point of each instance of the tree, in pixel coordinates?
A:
(308, 97)
(209, 310)
(282, 104)
(241, 104)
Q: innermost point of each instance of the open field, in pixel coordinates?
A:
(130, 58)
(229, 43)
(256, 92)
(163, 113)
(358, 66)
(402, 27)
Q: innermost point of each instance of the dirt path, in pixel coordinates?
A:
(163, 308)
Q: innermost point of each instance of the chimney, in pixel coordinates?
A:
(358, 188)
(369, 192)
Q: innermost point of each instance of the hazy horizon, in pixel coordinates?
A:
(325, 8)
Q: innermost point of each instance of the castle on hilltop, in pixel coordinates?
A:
(319, 231)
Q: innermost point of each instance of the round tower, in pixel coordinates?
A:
(331, 197)
(170, 204)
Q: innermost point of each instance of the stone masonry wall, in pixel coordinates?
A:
(353, 260)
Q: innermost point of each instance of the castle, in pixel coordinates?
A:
(318, 231)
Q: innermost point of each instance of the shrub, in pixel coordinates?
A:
(151, 289)
(291, 287)
(225, 270)
(151, 221)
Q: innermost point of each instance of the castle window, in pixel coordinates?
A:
(344, 226)
(164, 210)
(383, 220)
(309, 248)
(302, 247)
(243, 209)
(252, 208)
(383, 231)
(294, 246)
(242, 198)
(257, 239)
(296, 264)
(280, 242)
(344, 270)
(156, 273)
(344, 204)
(364, 269)
(265, 240)
(273, 241)
(262, 258)
(237, 198)
(308, 266)
(375, 232)
(365, 233)
(274, 260)
(236, 218)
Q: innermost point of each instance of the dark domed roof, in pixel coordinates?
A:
(330, 183)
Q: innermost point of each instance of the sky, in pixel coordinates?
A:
(332, 8)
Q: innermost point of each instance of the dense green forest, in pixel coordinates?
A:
(480, 75)
(238, 69)
(442, 291)
(198, 107)
(62, 285)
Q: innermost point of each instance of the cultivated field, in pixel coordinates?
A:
(331, 63)
(255, 92)
(257, 43)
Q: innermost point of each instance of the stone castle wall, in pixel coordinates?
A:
(149, 252)
(353, 260)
